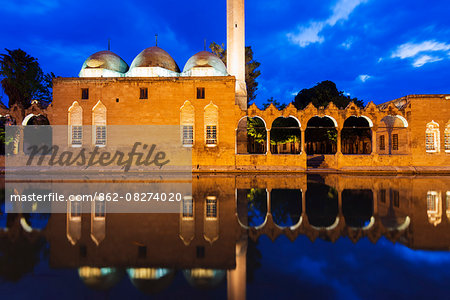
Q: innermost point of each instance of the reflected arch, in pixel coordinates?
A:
(357, 208)
(286, 207)
(322, 206)
(151, 280)
(204, 278)
(252, 207)
(100, 278)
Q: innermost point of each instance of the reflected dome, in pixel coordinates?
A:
(205, 60)
(155, 57)
(103, 60)
(204, 278)
(150, 280)
(99, 278)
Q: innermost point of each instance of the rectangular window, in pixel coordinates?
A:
(84, 94)
(211, 207)
(77, 136)
(447, 141)
(143, 93)
(188, 135)
(100, 209)
(211, 135)
(430, 141)
(395, 142)
(432, 200)
(395, 198)
(382, 143)
(100, 135)
(200, 93)
(188, 208)
(383, 196)
(75, 210)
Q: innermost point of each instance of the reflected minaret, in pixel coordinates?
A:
(236, 48)
(237, 278)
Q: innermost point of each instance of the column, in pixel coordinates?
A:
(374, 141)
(302, 142)
(338, 141)
(268, 142)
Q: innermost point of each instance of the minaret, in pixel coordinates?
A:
(236, 48)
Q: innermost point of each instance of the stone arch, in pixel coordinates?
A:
(99, 124)
(187, 123)
(34, 134)
(322, 206)
(356, 136)
(211, 121)
(392, 135)
(285, 136)
(321, 135)
(357, 207)
(251, 136)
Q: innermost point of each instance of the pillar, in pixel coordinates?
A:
(374, 141)
(302, 142)
(237, 278)
(268, 142)
(338, 141)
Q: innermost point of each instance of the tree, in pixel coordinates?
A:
(251, 66)
(23, 79)
(322, 94)
(278, 105)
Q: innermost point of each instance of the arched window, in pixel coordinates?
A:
(75, 122)
(99, 124)
(432, 143)
(447, 138)
(187, 121)
(211, 125)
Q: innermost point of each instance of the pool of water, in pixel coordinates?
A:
(247, 236)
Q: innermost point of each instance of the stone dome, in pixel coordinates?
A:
(206, 59)
(155, 57)
(151, 281)
(106, 60)
(204, 278)
(100, 278)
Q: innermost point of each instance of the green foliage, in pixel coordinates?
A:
(251, 68)
(322, 94)
(23, 79)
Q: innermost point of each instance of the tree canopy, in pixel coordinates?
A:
(322, 94)
(23, 80)
(251, 68)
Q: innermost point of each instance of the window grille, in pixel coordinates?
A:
(211, 207)
(188, 135)
(211, 135)
(77, 135)
(100, 135)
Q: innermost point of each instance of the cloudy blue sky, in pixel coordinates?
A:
(374, 50)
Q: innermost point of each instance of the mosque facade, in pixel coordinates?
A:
(209, 101)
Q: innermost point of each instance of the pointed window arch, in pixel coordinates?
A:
(211, 125)
(99, 124)
(187, 122)
(75, 122)
(432, 143)
(447, 138)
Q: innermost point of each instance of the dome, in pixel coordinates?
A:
(100, 278)
(151, 281)
(155, 57)
(105, 60)
(206, 59)
(204, 278)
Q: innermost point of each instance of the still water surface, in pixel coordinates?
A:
(249, 236)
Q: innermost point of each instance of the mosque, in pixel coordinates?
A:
(209, 101)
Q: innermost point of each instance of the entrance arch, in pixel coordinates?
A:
(321, 135)
(251, 136)
(36, 132)
(356, 136)
(285, 136)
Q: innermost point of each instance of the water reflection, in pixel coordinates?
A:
(213, 241)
